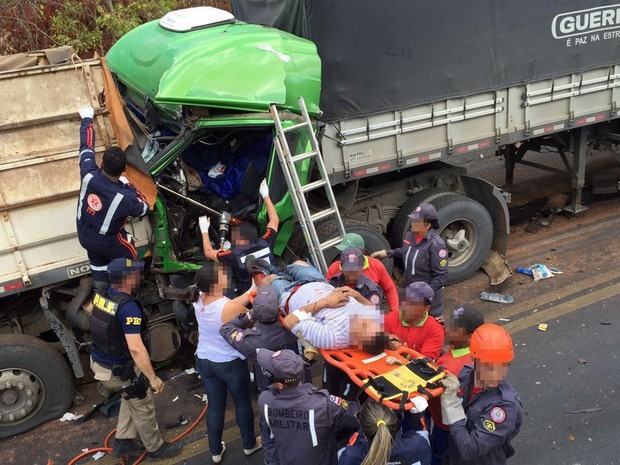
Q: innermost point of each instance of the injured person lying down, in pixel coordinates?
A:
(318, 313)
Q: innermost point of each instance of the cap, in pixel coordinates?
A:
(265, 306)
(351, 258)
(491, 343)
(468, 317)
(284, 365)
(121, 267)
(419, 291)
(351, 240)
(424, 211)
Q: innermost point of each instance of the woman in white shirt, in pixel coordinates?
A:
(221, 367)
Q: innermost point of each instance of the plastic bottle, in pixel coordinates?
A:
(526, 271)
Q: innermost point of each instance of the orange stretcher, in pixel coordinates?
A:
(393, 377)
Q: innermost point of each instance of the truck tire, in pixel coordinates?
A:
(373, 241)
(459, 215)
(36, 384)
(402, 223)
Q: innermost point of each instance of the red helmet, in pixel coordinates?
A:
(491, 343)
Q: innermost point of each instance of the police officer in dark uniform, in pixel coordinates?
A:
(424, 255)
(106, 201)
(267, 333)
(352, 262)
(481, 406)
(303, 420)
(120, 361)
(245, 244)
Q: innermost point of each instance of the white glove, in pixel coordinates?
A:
(124, 180)
(451, 406)
(379, 254)
(204, 222)
(264, 189)
(86, 112)
(419, 404)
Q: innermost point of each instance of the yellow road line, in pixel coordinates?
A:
(564, 308)
(552, 296)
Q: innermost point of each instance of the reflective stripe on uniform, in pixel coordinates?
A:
(315, 441)
(118, 198)
(83, 189)
(266, 415)
(99, 268)
(413, 261)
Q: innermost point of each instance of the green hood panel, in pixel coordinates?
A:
(236, 66)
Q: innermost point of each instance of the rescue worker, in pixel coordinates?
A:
(302, 419)
(383, 440)
(424, 255)
(105, 203)
(120, 361)
(411, 326)
(481, 407)
(373, 269)
(267, 333)
(352, 263)
(460, 325)
(245, 244)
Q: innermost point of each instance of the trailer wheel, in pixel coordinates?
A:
(36, 384)
(402, 223)
(373, 241)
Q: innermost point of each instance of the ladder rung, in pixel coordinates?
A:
(322, 214)
(295, 127)
(304, 156)
(313, 185)
(331, 243)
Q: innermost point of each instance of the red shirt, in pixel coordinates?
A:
(375, 270)
(426, 339)
(454, 365)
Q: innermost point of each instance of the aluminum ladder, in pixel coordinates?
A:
(288, 161)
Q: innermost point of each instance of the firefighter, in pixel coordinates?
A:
(245, 244)
(120, 361)
(481, 407)
(105, 203)
(302, 419)
(352, 262)
(424, 255)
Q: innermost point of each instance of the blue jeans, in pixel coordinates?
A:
(218, 378)
(440, 440)
(296, 275)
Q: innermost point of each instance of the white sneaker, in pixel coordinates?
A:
(258, 446)
(218, 458)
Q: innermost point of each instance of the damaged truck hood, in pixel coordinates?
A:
(236, 66)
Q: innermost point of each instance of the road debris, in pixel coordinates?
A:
(179, 422)
(582, 361)
(70, 417)
(504, 319)
(495, 297)
(98, 455)
(606, 323)
(542, 327)
(497, 268)
(189, 371)
(585, 410)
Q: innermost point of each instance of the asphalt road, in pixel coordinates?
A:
(566, 376)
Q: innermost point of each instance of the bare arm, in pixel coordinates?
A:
(141, 358)
(210, 253)
(231, 310)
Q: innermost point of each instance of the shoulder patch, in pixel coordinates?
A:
(375, 299)
(335, 399)
(488, 425)
(238, 336)
(443, 253)
(353, 439)
(498, 414)
(94, 202)
(443, 263)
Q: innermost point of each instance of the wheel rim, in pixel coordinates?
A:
(461, 238)
(21, 395)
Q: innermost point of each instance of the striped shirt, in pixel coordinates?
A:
(329, 327)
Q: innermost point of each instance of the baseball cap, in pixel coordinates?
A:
(424, 211)
(419, 291)
(122, 267)
(467, 317)
(351, 258)
(351, 240)
(284, 365)
(265, 306)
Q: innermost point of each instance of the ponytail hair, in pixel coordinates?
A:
(379, 425)
(204, 280)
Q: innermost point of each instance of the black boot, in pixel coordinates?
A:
(123, 447)
(168, 449)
